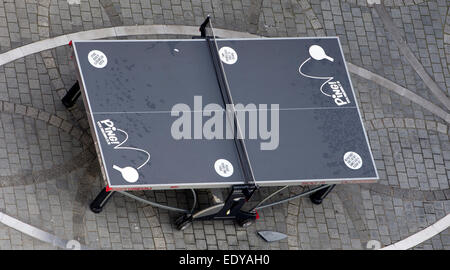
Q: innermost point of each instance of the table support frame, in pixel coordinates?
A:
(72, 95)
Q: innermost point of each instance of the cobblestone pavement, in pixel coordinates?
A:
(49, 173)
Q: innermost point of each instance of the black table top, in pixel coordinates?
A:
(133, 89)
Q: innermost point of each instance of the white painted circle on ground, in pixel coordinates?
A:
(352, 160)
(223, 167)
(228, 55)
(97, 59)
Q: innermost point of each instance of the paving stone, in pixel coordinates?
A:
(411, 159)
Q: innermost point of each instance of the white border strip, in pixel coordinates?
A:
(36, 233)
(421, 236)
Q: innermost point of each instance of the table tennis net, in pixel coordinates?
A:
(224, 86)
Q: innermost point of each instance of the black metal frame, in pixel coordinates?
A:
(230, 209)
(102, 198)
(202, 28)
(318, 196)
(72, 95)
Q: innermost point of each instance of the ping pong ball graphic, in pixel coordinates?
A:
(223, 167)
(318, 53)
(353, 160)
(228, 55)
(97, 59)
(130, 174)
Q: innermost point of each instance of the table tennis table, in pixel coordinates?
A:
(136, 93)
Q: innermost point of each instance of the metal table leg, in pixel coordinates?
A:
(318, 196)
(72, 95)
(100, 201)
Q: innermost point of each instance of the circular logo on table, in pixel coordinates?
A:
(352, 160)
(223, 167)
(97, 59)
(228, 55)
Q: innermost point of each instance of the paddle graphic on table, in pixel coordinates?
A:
(318, 53)
(129, 174)
(338, 93)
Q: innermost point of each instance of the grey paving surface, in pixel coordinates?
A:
(48, 173)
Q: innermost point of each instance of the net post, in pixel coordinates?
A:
(227, 99)
(202, 28)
